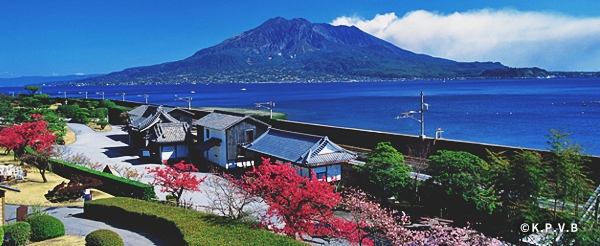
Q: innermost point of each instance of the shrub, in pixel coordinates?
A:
(72, 191)
(103, 237)
(45, 227)
(2, 232)
(19, 233)
(182, 226)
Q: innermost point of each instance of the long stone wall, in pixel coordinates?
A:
(367, 139)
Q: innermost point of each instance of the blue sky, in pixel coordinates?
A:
(64, 37)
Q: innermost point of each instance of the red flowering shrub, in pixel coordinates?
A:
(73, 190)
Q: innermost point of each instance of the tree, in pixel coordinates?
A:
(420, 151)
(567, 170)
(299, 207)
(34, 134)
(102, 123)
(385, 170)
(465, 177)
(377, 225)
(32, 89)
(519, 182)
(40, 160)
(228, 198)
(177, 179)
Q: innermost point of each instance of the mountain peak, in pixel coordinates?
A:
(298, 50)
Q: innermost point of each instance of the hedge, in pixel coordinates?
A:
(111, 184)
(182, 226)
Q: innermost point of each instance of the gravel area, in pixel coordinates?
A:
(112, 148)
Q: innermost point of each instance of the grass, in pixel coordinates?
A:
(179, 224)
(97, 128)
(69, 137)
(251, 111)
(66, 240)
(33, 188)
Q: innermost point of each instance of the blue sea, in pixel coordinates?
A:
(516, 112)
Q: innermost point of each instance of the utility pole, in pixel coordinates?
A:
(187, 99)
(268, 105)
(65, 96)
(409, 114)
(145, 96)
(123, 95)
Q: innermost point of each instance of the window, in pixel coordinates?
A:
(249, 135)
(207, 133)
(321, 176)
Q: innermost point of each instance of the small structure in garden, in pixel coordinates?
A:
(3, 189)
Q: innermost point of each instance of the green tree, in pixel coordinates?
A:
(568, 171)
(102, 123)
(32, 89)
(69, 111)
(519, 182)
(386, 170)
(465, 178)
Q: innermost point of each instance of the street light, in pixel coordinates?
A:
(409, 114)
(122, 94)
(145, 96)
(85, 94)
(101, 93)
(187, 99)
(268, 105)
(12, 92)
(65, 96)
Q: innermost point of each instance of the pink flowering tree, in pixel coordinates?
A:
(374, 222)
(176, 179)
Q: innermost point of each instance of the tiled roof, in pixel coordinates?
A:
(299, 148)
(222, 120)
(145, 121)
(171, 132)
(147, 110)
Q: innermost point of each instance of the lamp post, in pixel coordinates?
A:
(12, 92)
(268, 105)
(145, 96)
(409, 114)
(101, 93)
(187, 99)
(65, 96)
(123, 95)
(85, 92)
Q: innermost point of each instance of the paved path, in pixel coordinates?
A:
(76, 225)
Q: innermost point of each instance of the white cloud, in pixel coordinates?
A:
(79, 74)
(518, 39)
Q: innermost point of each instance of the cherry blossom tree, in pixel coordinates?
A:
(176, 179)
(375, 223)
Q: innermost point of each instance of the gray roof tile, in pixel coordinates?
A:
(171, 132)
(299, 148)
(222, 120)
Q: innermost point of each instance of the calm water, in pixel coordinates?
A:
(507, 112)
